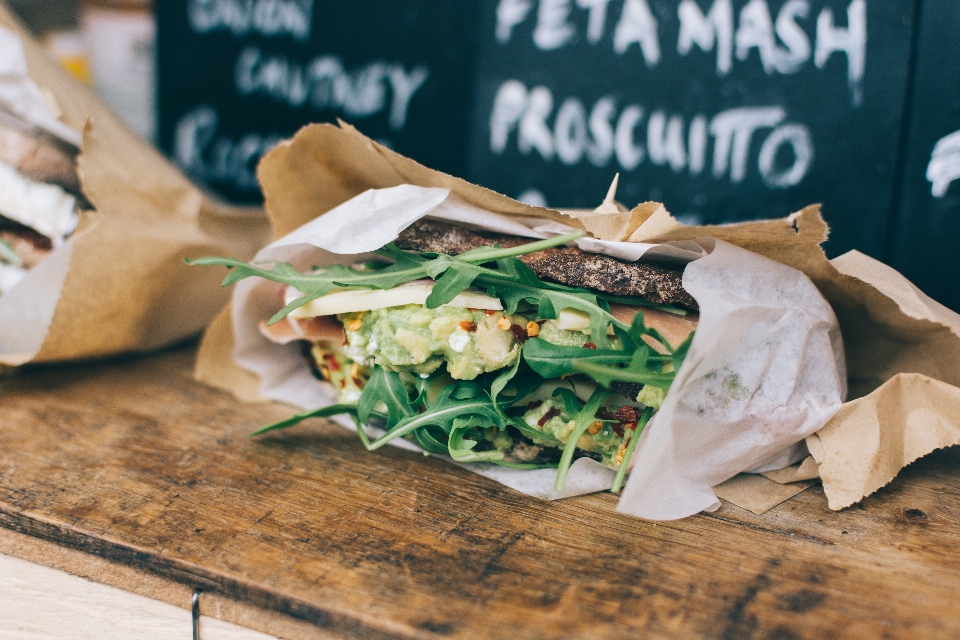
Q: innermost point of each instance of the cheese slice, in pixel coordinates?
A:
(350, 300)
(45, 208)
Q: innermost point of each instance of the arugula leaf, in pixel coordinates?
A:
(499, 384)
(604, 375)
(459, 400)
(680, 353)
(571, 403)
(514, 282)
(625, 463)
(8, 255)
(429, 441)
(461, 447)
(323, 412)
(534, 434)
(643, 302)
(453, 281)
(316, 285)
(552, 361)
(407, 266)
(386, 387)
(585, 417)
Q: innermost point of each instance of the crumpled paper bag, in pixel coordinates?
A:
(902, 347)
(119, 283)
(904, 359)
(893, 335)
(323, 167)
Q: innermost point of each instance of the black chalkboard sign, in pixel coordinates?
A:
(927, 232)
(724, 110)
(236, 76)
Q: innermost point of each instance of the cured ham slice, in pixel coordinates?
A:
(318, 329)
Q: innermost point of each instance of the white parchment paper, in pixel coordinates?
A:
(20, 95)
(27, 310)
(764, 371)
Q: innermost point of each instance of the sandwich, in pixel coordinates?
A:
(40, 196)
(486, 347)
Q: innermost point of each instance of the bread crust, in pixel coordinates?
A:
(570, 266)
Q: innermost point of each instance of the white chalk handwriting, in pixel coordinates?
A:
(267, 18)
(218, 158)
(324, 84)
(784, 44)
(603, 134)
(944, 165)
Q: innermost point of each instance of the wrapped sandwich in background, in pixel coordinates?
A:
(94, 223)
(40, 196)
(900, 346)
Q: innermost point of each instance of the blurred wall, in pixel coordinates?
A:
(48, 15)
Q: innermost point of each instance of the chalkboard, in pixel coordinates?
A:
(724, 110)
(236, 76)
(927, 233)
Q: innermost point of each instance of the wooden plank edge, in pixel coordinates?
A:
(174, 581)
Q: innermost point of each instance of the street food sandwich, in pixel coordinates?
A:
(39, 196)
(490, 348)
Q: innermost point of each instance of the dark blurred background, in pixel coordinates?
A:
(725, 110)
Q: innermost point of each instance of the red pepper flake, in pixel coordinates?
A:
(625, 418)
(626, 413)
(589, 345)
(603, 414)
(331, 361)
(343, 383)
(552, 413)
(468, 325)
(489, 312)
(533, 405)
(520, 333)
(357, 381)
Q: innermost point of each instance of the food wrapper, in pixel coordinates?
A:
(776, 376)
(118, 284)
(893, 337)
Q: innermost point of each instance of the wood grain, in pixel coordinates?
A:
(136, 463)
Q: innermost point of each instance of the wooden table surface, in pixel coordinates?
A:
(136, 463)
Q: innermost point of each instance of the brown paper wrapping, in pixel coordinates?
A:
(127, 288)
(902, 348)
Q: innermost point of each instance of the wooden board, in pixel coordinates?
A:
(136, 463)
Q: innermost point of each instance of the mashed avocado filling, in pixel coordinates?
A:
(413, 338)
(447, 344)
(483, 386)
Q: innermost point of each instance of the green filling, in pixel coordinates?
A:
(419, 340)
(457, 382)
(600, 438)
(651, 396)
(440, 346)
